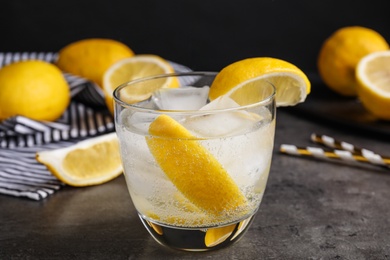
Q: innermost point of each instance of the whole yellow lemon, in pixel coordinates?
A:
(340, 54)
(90, 58)
(35, 89)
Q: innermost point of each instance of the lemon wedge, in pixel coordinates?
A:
(373, 76)
(89, 162)
(136, 67)
(194, 171)
(215, 236)
(240, 81)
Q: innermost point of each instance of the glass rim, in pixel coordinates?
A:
(265, 101)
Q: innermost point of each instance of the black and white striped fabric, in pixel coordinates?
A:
(20, 137)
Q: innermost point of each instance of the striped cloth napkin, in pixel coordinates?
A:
(20, 137)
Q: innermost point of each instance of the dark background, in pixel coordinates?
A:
(311, 209)
(204, 35)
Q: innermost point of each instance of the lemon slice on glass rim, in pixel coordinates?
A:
(373, 76)
(240, 81)
(89, 162)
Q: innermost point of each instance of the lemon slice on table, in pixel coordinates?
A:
(89, 162)
(194, 171)
(136, 67)
(373, 76)
(240, 81)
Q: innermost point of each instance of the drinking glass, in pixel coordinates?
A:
(196, 169)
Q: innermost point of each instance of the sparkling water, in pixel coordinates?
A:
(241, 140)
(243, 145)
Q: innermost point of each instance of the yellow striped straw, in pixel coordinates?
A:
(344, 151)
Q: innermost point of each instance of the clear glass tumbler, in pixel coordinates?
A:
(196, 170)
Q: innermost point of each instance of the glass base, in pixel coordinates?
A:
(202, 239)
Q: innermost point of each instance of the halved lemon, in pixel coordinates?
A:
(136, 67)
(89, 162)
(240, 79)
(340, 53)
(373, 76)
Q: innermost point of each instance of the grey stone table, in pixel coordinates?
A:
(312, 209)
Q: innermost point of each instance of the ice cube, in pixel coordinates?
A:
(184, 98)
(136, 121)
(221, 102)
(222, 123)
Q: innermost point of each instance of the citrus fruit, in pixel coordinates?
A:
(241, 79)
(90, 58)
(373, 76)
(340, 54)
(35, 89)
(136, 67)
(194, 171)
(89, 162)
(215, 236)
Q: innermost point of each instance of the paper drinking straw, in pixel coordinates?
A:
(340, 145)
(340, 155)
